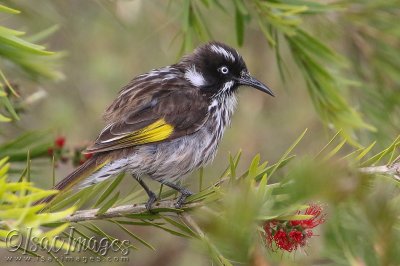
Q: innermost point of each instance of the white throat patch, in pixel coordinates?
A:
(195, 77)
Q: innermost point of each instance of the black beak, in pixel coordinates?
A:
(247, 80)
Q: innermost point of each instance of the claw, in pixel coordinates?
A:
(150, 201)
(184, 194)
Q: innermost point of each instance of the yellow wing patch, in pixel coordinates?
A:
(157, 131)
(154, 132)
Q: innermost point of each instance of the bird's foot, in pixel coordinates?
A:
(150, 201)
(184, 194)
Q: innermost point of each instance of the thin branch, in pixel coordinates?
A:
(121, 211)
(168, 205)
(393, 170)
(189, 220)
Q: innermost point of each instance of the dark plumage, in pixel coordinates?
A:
(168, 122)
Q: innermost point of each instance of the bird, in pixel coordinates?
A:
(168, 122)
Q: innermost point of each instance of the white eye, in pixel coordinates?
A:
(224, 70)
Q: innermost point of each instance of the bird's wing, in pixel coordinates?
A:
(157, 116)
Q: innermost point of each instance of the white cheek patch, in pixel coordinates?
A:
(219, 50)
(195, 77)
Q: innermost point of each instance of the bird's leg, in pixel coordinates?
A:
(151, 194)
(184, 193)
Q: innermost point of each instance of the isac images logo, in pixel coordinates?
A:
(65, 249)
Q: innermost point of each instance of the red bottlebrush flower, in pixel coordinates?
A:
(290, 235)
(282, 241)
(315, 211)
(59, 142)
(296, 236)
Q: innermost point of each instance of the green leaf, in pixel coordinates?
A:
(288, 151)
(4, 118)
(110, 189)
(239, 23)
(130, 198)
(97, 230)
(296, 217)
(186, 15)
(21, 44)
(267, 34)
(262, 187)
(84, 242)
(55, 216)
(233, 164)
(43, 34)
(205, 193)
(199, 25)
(378, 157)
(7, 104)
(35, 196)
(232, 167)
(252, 172)
(36, 142)
(66, 199)
(9, 10)
(8, 84)
(173, 232)
(279, 165)
(141, 240)
(108, 204)
(329, 143)
(181, 226)
(318, 48)
(240, 6)
(3, 162)
(365, 151)
(335, 150)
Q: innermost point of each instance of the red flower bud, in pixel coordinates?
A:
(59, 142)
(88, 155)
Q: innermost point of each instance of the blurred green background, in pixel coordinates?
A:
(107, 43)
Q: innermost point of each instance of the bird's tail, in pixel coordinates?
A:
(83, 171)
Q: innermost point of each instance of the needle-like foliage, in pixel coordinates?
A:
(341, 205)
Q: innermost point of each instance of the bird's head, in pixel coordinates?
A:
(217, 69)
